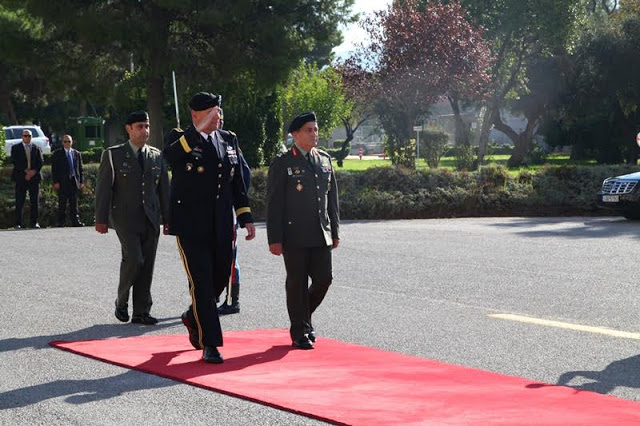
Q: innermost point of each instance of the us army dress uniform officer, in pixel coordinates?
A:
(303, 224)
(206, 185)
(132, 196)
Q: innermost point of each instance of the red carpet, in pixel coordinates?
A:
(349, 384)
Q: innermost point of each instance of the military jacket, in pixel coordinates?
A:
(206, 185)
(126, 195)
(302, 200)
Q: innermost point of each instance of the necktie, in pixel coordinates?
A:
(141, 159)
(310, 159)
(27, 151)
(215, 144)
(71, 169)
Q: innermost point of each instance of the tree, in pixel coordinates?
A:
(599, 111)
(360, 105)
(522, 33)
(311, 89)
(416, 55)
(207, 41)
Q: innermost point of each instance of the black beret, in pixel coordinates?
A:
(300, 121)
(137, 116)
(204, 100)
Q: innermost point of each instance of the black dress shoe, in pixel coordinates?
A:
(36, 225)
(211, 355)
(121, 313)
(193, 334)
(145, 319)
(312, 336)
(303, 343)
(17, 226)
(225, 309)
(77, 224)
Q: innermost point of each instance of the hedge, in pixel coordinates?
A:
(396, 193)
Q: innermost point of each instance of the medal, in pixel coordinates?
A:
(299, 187)
(189, 167)
(289, 172)
(200, 169)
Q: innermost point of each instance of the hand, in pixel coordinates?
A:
(336, 241)
(251, 231)
(81, 187)
(165, 229)
(28, 174)
(275, 249)
(102, 228)
(56, 186)
(204, 123)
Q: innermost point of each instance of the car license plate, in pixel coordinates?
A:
(610, 198)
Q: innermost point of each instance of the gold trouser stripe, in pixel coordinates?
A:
(185, 144)
(191, 290)
(233, 267)
(243, 210)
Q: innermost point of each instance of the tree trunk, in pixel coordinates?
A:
(522, 142)
(155, 99)
(462, 136)
(482, 139)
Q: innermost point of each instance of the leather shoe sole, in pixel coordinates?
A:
(211, 355)
(121, 313)
(193, 336)
(303, 343)
(225, 309)
(144, 319)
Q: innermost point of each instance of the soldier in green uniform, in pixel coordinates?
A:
(206, 186)
(132, 197)
(303, 223)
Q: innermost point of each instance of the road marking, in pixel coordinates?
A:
(568, 326)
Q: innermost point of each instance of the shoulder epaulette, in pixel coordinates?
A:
(321, 152)
(115, 146)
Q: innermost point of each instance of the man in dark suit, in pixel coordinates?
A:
(27, 162)
(206, 185)
(67, 176)
(303, 223)
(132, 196)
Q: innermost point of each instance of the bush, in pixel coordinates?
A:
(400, 193)
(433, 145)
(3, 155)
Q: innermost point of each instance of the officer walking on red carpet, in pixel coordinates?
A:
(206, 184)
(132, 197)
(303, 223)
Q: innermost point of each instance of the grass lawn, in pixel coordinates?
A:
(449, 162)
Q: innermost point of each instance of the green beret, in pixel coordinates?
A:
(300, 121)
(136, 117)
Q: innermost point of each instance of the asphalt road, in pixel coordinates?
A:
(423, 287)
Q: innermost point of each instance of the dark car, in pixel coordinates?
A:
(622, 195)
